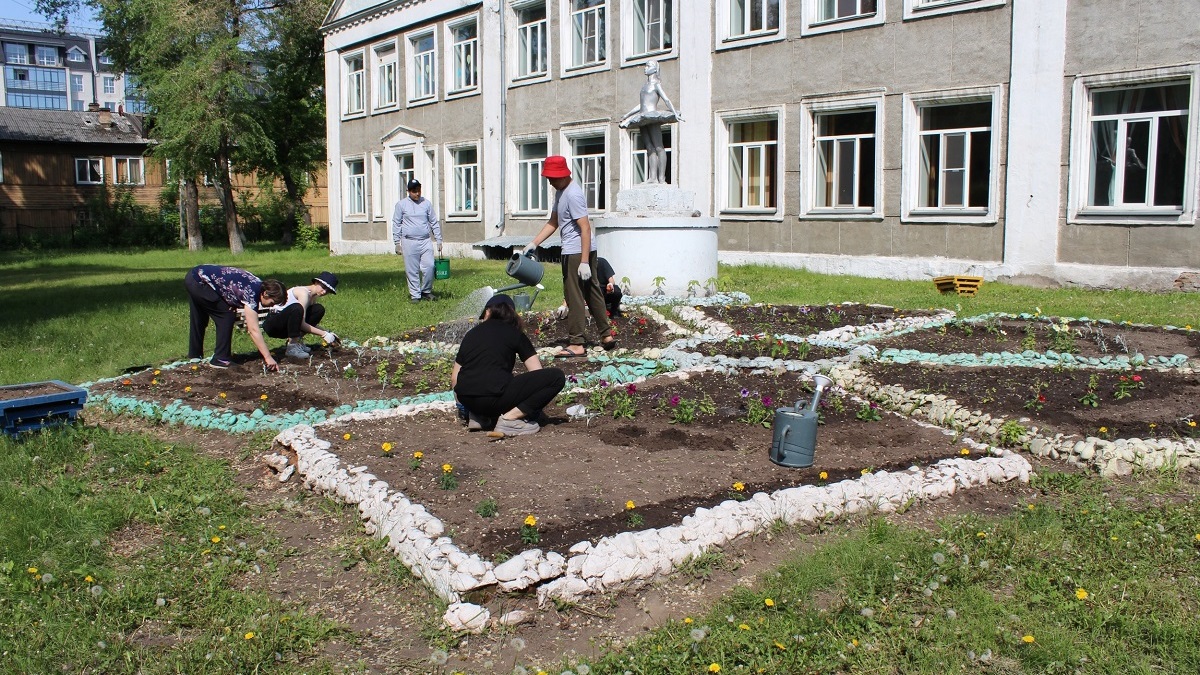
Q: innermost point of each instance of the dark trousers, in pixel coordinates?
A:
(285, 324)
(613, 300)
(528, 392)
(583, 297)
(205, 303)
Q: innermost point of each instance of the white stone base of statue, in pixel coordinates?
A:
(656, 233)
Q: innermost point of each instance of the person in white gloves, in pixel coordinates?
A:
(300, 316)
(581, 286)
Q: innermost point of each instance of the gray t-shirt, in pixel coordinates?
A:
(570, 204)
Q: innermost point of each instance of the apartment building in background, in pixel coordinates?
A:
(889, 138)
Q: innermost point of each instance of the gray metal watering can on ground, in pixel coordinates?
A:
(795, 438)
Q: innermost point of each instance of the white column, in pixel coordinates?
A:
(333, 146)
(1036, 134)
(693, 142)
(492, 81)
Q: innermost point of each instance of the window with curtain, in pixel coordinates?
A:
(587, 32)
(752, 17)
(465, 167)
(532, 50)
(531, 187)
(955, 156)
(1138, 146)
(651, 26)
(844, 145)
(587, 160)
(465, 47)
(750, 174)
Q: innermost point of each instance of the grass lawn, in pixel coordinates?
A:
(105, 533)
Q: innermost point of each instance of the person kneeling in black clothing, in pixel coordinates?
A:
(301, 315)
(482, 377)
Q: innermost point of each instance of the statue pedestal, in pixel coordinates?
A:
(654, 232)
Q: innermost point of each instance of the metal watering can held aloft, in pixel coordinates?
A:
(528, 271)
(795, 437)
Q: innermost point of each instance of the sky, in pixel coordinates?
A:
(23, 10)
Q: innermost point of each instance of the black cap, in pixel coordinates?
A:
(327, 279)
(495, 301)
(414, 184)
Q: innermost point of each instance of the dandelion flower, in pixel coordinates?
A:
(47, 578)
(187, 389)
(769, 602)
(346, 436)
(220, 527)
(439, 657)
(530, 520)
(387, 447)
(517, 643)
(1104, 430)
(250, 635)
(154, 381)
(1198, 537)
(263, 397)
(583, 669)
(981, 535)
(781, 647)
(739, 486)
(1192, 423)
(964, 452)
(96, 590)
(742, 626)
(418, 454)
(222, 395)
(215, 540)
(698, 635)
(195, 367)
(446, 468)
(824, 475)
(158, 372)
(33, 570)
(865, 471)
(1027, 639)
(714, 667)
(1081, 594)
(88, 579)
(629, 505)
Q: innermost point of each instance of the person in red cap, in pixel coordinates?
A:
(580, 286)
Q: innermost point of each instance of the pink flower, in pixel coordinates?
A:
(766, 400)
(1136, 378)
(631, 388)
(675, 400)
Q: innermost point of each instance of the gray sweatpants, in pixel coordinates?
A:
(418, 262)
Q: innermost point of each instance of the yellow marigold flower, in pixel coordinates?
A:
(446, 468)
(742, 626)
(687, 619)
(418, 454)
(346, 436)
(154, 381)
(158, 372)
(824, 475)
(964, 452)
(195, 367)
(88, 579)
(769, 602)
(1081, 594)
(739, 486)
(33, 570)
(222, 395)
(714, 667)
(629, 505)
(1192, 423)
(387, 447)
(530, 520)
(250, 635)
(187, 389)
(1028, 639)
(263, 397)
(1104, 430)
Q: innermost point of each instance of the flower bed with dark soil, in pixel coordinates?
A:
(1083, 338)
(1157, 404)
(804, 319)
(770, 346)
(576, 475)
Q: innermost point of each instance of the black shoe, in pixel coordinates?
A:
(428, 297)
(414, 300)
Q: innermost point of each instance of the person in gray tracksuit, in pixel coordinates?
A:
(414, 222)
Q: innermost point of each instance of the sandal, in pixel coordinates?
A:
(568, 354)
(609, 344)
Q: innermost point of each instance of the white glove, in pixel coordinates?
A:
(329, 337)
(529, 249)
(561, 312)
(439, 248)
(585, 271)
(399, 250)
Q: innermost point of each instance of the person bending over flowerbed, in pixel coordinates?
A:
(218, 293)
(482, 377)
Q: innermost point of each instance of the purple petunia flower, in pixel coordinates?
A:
(745, 392)
(603, 383)
(572, 379)
(766, 400)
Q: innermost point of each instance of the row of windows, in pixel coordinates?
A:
(126, 171)
(21, 53)
(1133, 155)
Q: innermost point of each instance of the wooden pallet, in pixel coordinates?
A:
(958, 284)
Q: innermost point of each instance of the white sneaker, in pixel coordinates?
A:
(479, 422)
(516, 427)
(295, 350)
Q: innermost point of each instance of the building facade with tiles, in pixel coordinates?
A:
(890, 138)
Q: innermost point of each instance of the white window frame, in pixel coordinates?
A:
(108, 84)
(402, 176)
(76, 83)
(721, 150)
(533, 171)
(567, 38)
(37, 56)
(76, 55)
(811, 108)
(96, 162)
(376, 197)
(460, 174)
(910, 212)
(567, 138)
(457, 51)
(349, 183)
(628, 148)
(629, 32)
(728, 39)
(516, 77)
(815, 24)
(1080, 150)
(420, 91)
(353, 80)
(105, 59)
(385, 57)
(919, 9)
(129, 162)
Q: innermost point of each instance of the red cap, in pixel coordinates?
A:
(555, 166)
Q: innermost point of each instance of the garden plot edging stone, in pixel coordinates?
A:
(416, 536)
(1109, 458)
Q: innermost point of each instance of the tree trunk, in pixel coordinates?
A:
(295, 207)
(189, 198)
(237, 240)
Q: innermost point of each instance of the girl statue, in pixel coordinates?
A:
(650, 119)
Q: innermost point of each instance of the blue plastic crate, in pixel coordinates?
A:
(39, 408)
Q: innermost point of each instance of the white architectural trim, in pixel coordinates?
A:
(492, 82)
(387, 20)
(721, 122)
(1078, 211)
(695, 101)
(410, 71)
(448, 70)
(813, 24)
(628, 58)
(724, 40)
(333, 143)
(812, 106)
(373, 76)
(512, 53)
(348, 113)
(449, 173)
(909, 212)
(1033, 168)
(566, 42)
(919, 9)
(376, 180)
